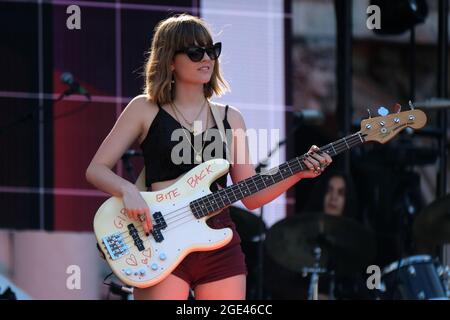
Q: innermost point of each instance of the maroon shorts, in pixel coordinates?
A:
(207, 266)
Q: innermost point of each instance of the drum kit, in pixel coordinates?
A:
(316, 249)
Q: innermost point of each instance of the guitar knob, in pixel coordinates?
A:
(154, 266)
(128, 272)
(162, 256)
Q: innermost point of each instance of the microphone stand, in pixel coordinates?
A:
(34, 113)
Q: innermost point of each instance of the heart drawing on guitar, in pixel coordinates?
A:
(144, 261)
(147, 253)
(131, 260)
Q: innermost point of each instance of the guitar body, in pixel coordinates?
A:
(147, 263)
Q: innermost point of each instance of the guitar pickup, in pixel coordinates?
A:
(159, 220)
(159, 225)
(157, 235)
(135, 235)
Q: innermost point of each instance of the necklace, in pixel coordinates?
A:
(198, 154)
(190, 122)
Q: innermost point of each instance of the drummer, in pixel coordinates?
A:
(333, 194)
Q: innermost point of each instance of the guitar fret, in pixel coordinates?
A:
(346, 143)
(359, 135)
(335, 153)
(218, 197)
(257, 188)
(249, 191)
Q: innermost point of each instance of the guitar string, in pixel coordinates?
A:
(259, 184)
(140, 229)
(338, 148)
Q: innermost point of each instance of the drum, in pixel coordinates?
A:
(412, 278)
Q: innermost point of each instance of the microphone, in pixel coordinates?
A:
(310, 116)
(74, 87)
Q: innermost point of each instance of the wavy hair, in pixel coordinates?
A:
(170, 35)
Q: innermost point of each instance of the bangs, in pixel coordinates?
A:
(191, 33)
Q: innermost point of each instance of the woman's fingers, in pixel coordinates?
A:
(147, 223)
(131, 213)
(321, 157)
(317, 160)
(143, 216)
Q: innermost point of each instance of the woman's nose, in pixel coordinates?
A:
(205, 57)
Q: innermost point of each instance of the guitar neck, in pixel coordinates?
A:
(218, 200)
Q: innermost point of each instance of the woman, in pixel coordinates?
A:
(182, 74)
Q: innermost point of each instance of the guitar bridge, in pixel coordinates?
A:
(115, 245)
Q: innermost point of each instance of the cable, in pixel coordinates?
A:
(116, 288)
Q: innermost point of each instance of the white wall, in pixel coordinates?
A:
(252, 36)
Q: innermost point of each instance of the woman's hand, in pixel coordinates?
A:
(316, 161)
(137, 209)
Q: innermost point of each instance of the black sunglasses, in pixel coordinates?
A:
(196, 53)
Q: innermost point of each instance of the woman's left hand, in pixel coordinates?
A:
(316, 161)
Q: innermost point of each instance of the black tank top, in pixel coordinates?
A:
(157, 149)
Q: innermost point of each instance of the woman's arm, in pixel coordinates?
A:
(128, 128)
(243, 168)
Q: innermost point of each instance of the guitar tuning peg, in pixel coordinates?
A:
(383, 111)
(368, 111)
(411, 105)
(397, 108)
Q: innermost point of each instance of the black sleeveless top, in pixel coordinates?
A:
(157, 149)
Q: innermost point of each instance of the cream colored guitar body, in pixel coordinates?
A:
(145, 264)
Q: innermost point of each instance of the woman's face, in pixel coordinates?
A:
(191, 72)
(334, 200)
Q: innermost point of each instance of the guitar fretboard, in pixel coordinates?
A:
(218, 200)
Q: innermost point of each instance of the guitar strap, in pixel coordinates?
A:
(140, 181)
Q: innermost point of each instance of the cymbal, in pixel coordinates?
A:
(248, 225)
(347, 247)
(432, 224)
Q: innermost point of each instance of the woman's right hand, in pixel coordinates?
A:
(137, 209)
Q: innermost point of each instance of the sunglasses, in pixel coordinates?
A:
(196, 53)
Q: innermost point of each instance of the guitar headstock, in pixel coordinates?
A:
(384, 128)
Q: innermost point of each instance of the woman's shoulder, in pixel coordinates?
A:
(144, 111)
(232, 111)
(140, 107)
(142, 103)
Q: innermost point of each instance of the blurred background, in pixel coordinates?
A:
(310, 69)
